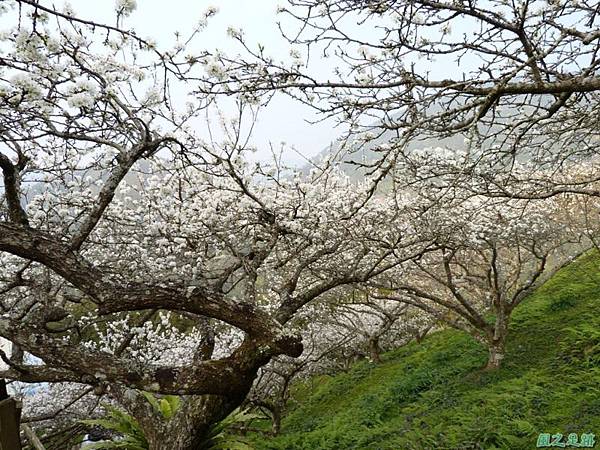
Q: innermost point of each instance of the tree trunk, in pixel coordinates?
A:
(420, 335)
(375, 349)
(496, 355)
(497, 342)
(190, 427)
(276, 414)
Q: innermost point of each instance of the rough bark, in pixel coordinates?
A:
(497, 340)
(188, 429)
(496, 355)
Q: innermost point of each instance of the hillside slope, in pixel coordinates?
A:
(435, 396)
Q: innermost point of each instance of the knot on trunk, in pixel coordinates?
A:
(290, 345)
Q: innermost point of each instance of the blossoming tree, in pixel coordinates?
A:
(491, 255)
(114, 212)
(517, 78)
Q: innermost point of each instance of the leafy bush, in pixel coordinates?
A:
(131, 436)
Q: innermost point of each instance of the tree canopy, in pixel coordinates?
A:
(139, 257)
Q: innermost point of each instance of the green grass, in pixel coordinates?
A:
(434, 395)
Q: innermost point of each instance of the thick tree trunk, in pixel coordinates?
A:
(190, 427)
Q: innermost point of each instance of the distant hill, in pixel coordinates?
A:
(366, 152)
(435, 395)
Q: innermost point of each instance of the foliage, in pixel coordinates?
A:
(581, 345)
(131, 436)
(219, 438)
(165, 406)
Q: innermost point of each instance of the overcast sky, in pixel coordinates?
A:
(284, 119)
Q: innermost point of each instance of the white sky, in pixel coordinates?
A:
(284, 119)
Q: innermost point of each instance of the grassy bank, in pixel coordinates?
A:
(435, 396)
